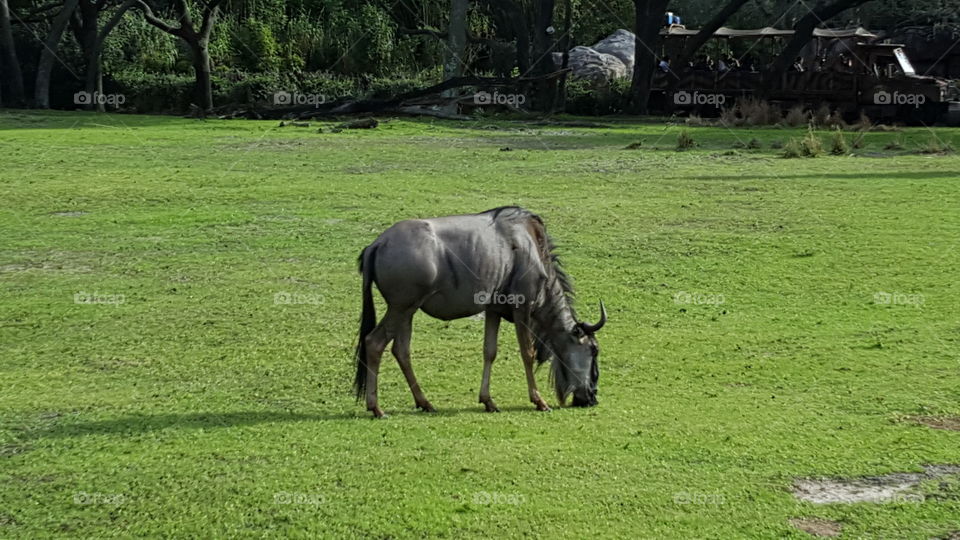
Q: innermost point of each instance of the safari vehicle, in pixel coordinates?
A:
(846, 69)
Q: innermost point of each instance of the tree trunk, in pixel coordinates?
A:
(13, 67)
(201, 65)
(89, 13)
(41, 94)
(803, 32)
(456, 42)
(544, 43)
(649, 16)
(456, 39)
(560, 102)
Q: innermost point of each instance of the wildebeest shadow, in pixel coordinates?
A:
(143, 423)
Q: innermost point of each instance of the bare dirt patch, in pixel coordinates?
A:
(817, 526)
(893, 487)
(948, 423)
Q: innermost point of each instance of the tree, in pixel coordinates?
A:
(41, 91)
(91, 39)
(10, 54)
(706, 32)
(823, 11)
(649, 16)
(197, 40)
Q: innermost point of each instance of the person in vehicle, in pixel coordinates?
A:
(664, 65)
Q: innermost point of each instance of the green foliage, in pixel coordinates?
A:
(136, 46)
(255, 47)
(584, 97)
(838, 143)
(809, 146)
(685, 141)
(152, 92)
(935, 145)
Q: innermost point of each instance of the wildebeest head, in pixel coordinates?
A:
(575, 369)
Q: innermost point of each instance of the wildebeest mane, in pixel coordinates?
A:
(552, 306)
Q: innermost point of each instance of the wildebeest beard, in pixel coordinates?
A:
(552, 321)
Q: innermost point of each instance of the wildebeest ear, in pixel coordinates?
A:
(578, 330)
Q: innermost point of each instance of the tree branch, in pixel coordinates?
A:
(155, 21)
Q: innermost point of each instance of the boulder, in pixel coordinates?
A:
(587, 63)
(621, 44)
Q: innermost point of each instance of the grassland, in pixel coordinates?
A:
(747, 344)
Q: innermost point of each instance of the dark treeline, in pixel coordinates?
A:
(159, 55)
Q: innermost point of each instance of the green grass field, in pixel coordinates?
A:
(747, 343)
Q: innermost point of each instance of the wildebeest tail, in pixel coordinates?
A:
(368, 318)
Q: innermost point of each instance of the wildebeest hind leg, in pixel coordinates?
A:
(401, 350)
(491, 329)
(388, 330)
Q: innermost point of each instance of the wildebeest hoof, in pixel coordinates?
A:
(426, 407)
(543, 407)
(378, 412)
(490, 406)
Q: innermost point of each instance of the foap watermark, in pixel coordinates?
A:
(484, 498)
(286, 497)
(496, 98)
(698, 298)
(906, 498)
(82, 497)
(296, 98)
(85, 298)
(98, 98)
(688, 497)
(685, 98)
(495, 298)
(287, 298)
(898, 299)
(882, 97)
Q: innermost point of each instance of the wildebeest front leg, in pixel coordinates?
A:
(491, 329)
(527, 351)
(401, 350)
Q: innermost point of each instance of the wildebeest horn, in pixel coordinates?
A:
(591, 328)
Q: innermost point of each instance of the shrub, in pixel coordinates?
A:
(809, 146)
(797, 116)
(255, 47)
(757, 112)
(838, 143)
(587, 98)
(150, 92)
(821, 116)
(934, 145)
(728, 116)
(685, 141)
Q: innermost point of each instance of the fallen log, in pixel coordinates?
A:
(396, 104)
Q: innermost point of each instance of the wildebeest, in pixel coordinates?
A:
(499, 262)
